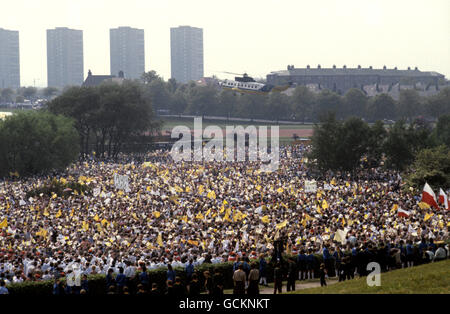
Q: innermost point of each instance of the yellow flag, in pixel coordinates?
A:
(4, 223)
(54, 196)
(96, 218)
(280, 190)
(178, 189)
(193, 242)
(324, 204)
(200, 216)
(135, 216)
(265, 219)
(428, 216)
(212, 195)
(394, 208)
(201, 189)
(58, 214)
(282, 224)
(424, 205)
(157, 214)
(104, 221)
(227, 215)
(85, 226)
(208, 212)
(258, 187)
(188, 189)
(46, 213)
(333, 182)
(184, 218)
(159, 240)
(71, 212)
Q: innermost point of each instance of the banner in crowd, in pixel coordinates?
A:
(310, 186)
(121, 182)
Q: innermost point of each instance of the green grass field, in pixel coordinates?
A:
(431, 278)
(172, 122)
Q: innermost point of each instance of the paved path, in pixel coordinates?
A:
(299, 285)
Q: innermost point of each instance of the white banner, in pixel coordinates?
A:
(121, 182)
(97, 191)
(327, 187)
(310, 186)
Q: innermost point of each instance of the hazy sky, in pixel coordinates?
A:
(244, 35)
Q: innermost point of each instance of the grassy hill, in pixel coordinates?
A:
(429, 278)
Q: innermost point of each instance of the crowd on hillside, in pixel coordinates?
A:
(210, 213)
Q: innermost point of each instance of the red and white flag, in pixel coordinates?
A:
(443, 199)
(428, 196)
(403, 213)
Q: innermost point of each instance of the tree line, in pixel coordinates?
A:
(105, 120)
(419, 148)
(302, 105)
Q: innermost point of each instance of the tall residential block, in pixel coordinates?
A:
(9, 59)
(127, 52)
(186, 46)
(64, 57)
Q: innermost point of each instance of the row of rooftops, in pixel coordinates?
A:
(308, 71)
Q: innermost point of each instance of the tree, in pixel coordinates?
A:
(431, 165)
(150, 76)
(325, 142)
(381, 107)
(48, 92)
(339, 146)
(27, 92)
(202, 100)
(36, 142)
(7, 95)
(277, 106)
(354, 103)
(302, 103)
(409, 104)
(111, 115)
(328, 102)
(442, 130)
(404, 142)
(439, 104)
(376, 140)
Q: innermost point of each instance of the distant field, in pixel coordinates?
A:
(286, 131)
(430, 279)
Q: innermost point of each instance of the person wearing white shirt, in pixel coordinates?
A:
(440, 254)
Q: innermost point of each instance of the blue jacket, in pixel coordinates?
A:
(326, 254)
(171, 275)
(189, 270)
(120, 280)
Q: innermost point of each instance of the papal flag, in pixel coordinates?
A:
(159, 240)
(58, 214)
(282, 224)
(265, 219)
(4, 224)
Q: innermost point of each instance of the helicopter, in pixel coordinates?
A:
(243, 83)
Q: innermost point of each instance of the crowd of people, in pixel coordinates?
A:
(178, 214)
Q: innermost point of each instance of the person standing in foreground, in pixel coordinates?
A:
(322, 273)
(3, 289)
(277, 279)
(239, 279)
(292, 273)
(262, 270)
(253, 277)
